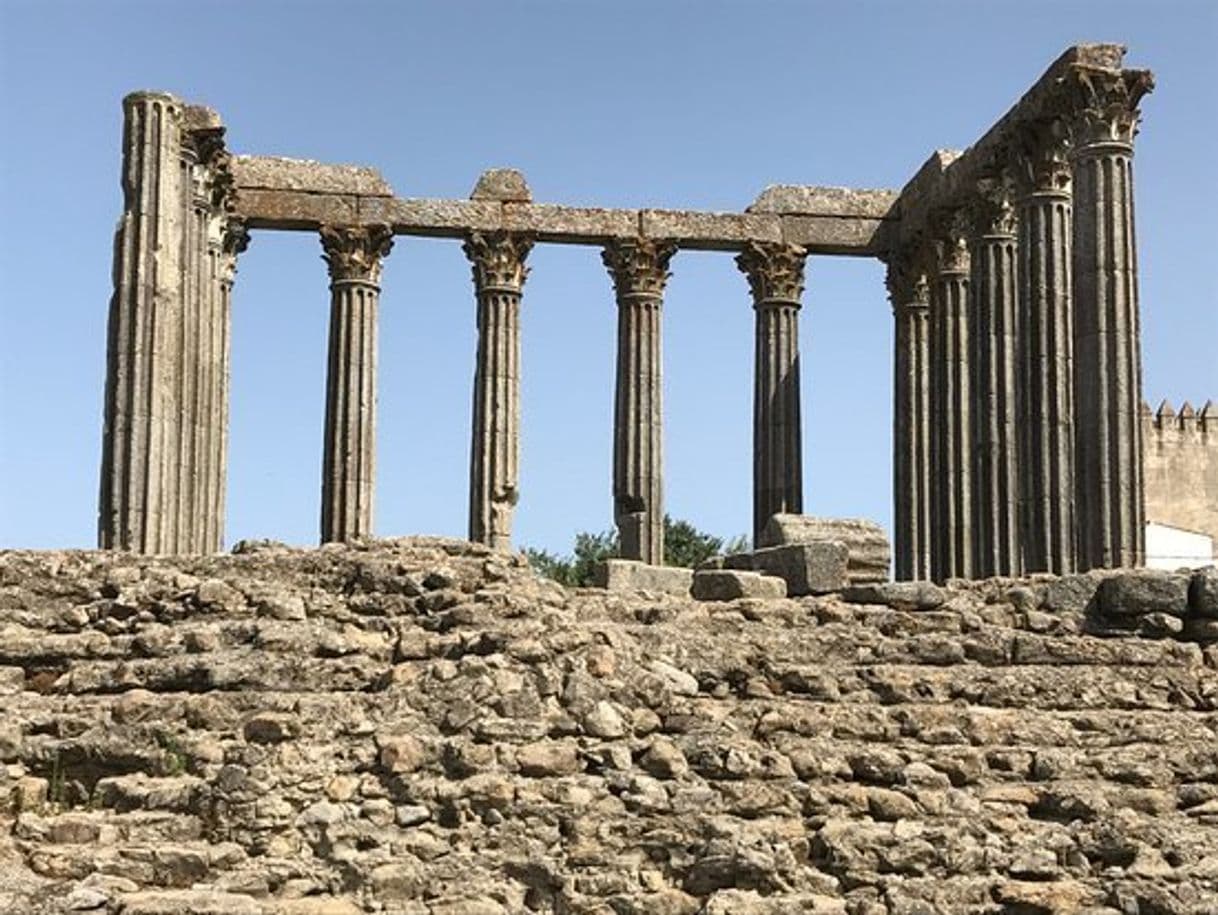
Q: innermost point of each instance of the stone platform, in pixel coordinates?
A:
(425, 727)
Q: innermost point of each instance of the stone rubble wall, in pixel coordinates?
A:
(423, 726)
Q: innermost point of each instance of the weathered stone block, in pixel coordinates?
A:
(1203, 592)
(502, 184)
(868, 551)
(807, 568)
(810, 200)
(900, 595)
(282, 174)
(630, 575)
(726, 584)
(1143, 591)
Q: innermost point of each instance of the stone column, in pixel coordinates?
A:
(776, 276)
(158, 445)
(992, 304)
(499, 275)
(353, 256)
(1046, 414)
(639, 270)
(228, 243)
(909, 292)
(1107, 345)
(951, 422)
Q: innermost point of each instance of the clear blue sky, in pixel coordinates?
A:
(671, 104)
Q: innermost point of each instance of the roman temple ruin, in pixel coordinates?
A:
(1017, 440)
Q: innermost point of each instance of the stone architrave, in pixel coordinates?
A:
(1046, 350)
(162, 474)
(951, 405)
(499, 274)
(639, 269)
(1107, 347)
(909, 293)
(353, 255)
(775, 272)
(993, 290)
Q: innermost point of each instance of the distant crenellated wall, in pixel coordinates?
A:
(1181, 461)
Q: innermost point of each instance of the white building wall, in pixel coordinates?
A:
(1173, 548)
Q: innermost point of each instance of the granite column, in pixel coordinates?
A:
(499, 274)
(353, 255)
(639, 270)
(775, 273)
(1046, 351)
(1107, 347)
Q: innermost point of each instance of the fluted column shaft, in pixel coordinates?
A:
(639, 270)
(776, 276)
(993, 293)
(353, 256)
(951, 443)
(910, 295)
(1046, 355)
(161, 449)
(1107, 344)
(499, 275)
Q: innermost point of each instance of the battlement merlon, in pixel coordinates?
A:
(948, 178)
(278, 193)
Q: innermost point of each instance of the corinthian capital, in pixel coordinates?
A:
(353, 253)
(638, 266)
(951, 242)
(1105, 106)
(906, 280)
(992, 208)
(775, 270)
(498, 259)
(1039, 162)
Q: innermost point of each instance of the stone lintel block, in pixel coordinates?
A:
(728, 584)
(502, 184)
(551, 222)
(631, 575)
(277, 173)
(266, 209)
(807, 568)
(809, 200)
(849, 235)
(710, 231)
(435, 218)
(866, 542)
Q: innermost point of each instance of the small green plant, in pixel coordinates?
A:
(57, 788)
(173, 757)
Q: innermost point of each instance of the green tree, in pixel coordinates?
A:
(684, 545)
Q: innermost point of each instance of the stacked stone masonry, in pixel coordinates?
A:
(424, 727)
(1181, 449)
(1011, 269)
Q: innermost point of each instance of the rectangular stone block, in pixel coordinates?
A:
(810, 200)
(711, 231)
(436, 218)
(868, 551)
(549, 222)
(278, 173)
(726, 584)
(267, 209)
(807, 568)
(835, 234)
(630, 575)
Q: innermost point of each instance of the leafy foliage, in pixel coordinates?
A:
(684, 545)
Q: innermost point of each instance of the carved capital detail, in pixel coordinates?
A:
(498, 259)
(908, 285)
(951, 242)
(1105, 106)
(775, 271)
(234, 238)
(638, 266)
(353, 253)
(1040, 160)
(992, 209)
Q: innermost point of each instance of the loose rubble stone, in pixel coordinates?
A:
(1135, 593)
(725, 584)
(807, 568)
(629, 575)
(868, 551)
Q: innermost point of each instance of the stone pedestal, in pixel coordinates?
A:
(910, 295)
(499, 274)
(1046, 420)
(639, 270)
(1107, 347)
(993, 292)
(776, 276)
(353, 256)
(162, 476)
(951, 421)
